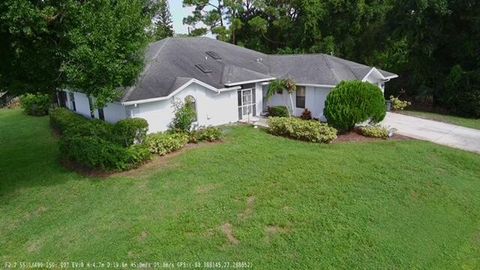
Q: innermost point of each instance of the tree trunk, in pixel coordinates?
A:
(291, 103)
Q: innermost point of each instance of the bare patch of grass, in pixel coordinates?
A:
(34, 247)
(273, 231)
(203, 189)
(227, 229)
(143, 236)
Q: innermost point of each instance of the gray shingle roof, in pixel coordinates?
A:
(171, 63)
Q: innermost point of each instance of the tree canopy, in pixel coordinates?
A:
(163, 23)
(94, 46)
(423, 41)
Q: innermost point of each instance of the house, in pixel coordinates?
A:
(227, 83)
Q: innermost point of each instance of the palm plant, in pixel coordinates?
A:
(278, 86)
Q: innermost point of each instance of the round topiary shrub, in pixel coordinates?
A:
(353, 102)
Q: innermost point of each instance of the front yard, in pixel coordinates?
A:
(270, 201)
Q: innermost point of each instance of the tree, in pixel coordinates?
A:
(220, 17)
(93, 46)
(33, 44)
(108, 43)
(162, 26)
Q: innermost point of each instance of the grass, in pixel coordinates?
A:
(456, 120)
(269, 201)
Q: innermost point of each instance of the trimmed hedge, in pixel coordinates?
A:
(353, 102)
(374, 131)
(304, 130)
(130, 131)
(62, 119)
(97, 153)
(71, 124)
(36, 104)
(278, 111)
(164, 143)
(96, 144)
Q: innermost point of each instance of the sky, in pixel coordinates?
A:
(178, 13)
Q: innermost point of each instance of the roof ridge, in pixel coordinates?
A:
(342, 61)
(146, 68)
(327, 61)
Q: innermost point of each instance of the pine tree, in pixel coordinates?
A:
(163, 27)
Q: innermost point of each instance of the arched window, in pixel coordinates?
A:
(191, 102)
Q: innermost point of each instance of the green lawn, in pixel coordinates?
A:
(269, 201)
(456, 120)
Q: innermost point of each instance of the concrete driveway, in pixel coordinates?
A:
(436, 132)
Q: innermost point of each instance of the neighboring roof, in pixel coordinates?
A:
(173, 62)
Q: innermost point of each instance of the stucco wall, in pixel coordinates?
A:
(81, 103)
(317, 97)
(258, 98)
(113, 112)
(314, 101)
(212, 108)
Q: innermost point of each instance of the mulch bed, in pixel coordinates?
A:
(355, 137)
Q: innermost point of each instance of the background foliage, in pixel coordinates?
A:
(423, 41)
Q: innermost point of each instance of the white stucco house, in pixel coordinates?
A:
(227, 83)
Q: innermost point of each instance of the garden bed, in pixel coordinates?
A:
(355, 137)
(157, 162)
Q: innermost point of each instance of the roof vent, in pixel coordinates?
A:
(204, 68)
(214, 55)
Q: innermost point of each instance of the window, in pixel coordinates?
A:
(204, 68)
(214, 55)
(62, 98)
(300, 97)
(90, 104)
(191, 102)
(101, 114)
(72, 101)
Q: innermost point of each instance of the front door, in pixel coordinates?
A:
(246, 104)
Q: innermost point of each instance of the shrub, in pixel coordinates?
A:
(210, 134)
(97, 144)
(398, 104)
(278, 111)
(72, 124)
(185, 115)
(306, 115)
(130, 131)
(375, 131)
(354, 102)
(62, 119)
(94, 152)
(138, 154)
(164, 143)
(312, 131)
(87, 127)
(35, 104)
